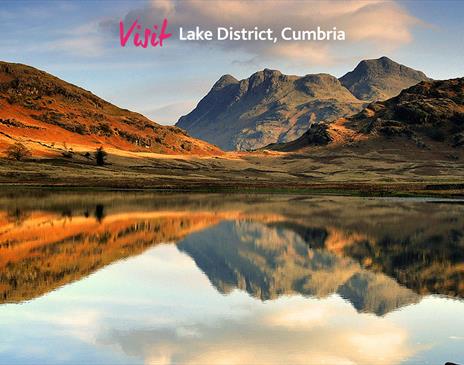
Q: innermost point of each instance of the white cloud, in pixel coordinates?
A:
(271, 334)
(85, 40)
(380, 24)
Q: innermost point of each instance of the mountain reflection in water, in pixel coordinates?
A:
(379, 255)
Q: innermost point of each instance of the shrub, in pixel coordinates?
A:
(186, 146)
(100, 156)
(18, 152)
(68, 153)
(436, 134)
(100, 212)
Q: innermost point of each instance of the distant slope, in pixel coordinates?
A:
(51, 115)
(380, 79)
(428, 115)
(267, 107)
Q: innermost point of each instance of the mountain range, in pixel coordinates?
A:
(270, 107)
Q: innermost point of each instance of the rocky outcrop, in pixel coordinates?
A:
(428, 115)
(432, 111)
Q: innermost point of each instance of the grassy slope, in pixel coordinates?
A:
(354, 170)
(52, 117)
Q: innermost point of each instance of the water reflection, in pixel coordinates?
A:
(298, 274)
(270, 261)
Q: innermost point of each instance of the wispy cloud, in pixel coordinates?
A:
(84, 40)
(169, 114)
(83, 46)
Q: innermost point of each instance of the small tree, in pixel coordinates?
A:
(100, 156)
(18, 152)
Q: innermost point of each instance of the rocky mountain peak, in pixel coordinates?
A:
(380, 79)
(265, 78)
(224, 81)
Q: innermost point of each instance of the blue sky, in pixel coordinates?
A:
(78, 42)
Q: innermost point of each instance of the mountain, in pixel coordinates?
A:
(266, 107)
(432, 111)
(270, 107)
(52, 116)
(380, 79)
(429, 115)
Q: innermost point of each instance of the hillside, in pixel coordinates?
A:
(53, 117)
(354, 160)
(427, 116)
(270, 107)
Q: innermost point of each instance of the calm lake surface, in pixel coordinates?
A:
(138, 278)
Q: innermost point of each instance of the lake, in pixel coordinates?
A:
(146, 278)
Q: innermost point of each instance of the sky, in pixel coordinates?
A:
(78, 41)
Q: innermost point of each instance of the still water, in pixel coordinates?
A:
(137, 278)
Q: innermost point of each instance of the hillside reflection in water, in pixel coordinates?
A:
(146, 278)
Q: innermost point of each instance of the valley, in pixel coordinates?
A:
(408, 144)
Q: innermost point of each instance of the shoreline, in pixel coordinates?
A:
(360, 189)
